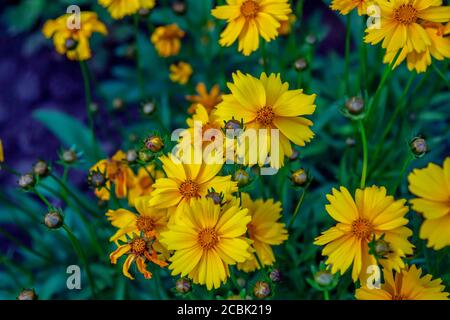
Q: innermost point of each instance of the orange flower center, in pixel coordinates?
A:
(189, 189)
(145, 224)
(362, 228)
(265, 116)
(397, 297)
(405, 14)
(207, 238)
(138, 246)
(249, 9)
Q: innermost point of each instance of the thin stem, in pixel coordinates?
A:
(364, 69)
(443, 77)
(9, 169)
(406, 164)
(347, 55)
(44, 200)
(362, 130)
(81, 255)
(140, 76)
(297, 208)
(326, 295)
(19, 243)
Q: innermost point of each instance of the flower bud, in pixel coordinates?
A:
(118, 104)
(183, 286)
(179, 7)
(275, 275)
(144, 12)
(355, 105)
(419, 146)
(154, 143)
(381, 248)
(93, 107)
(217, 197)
(41, 169)
(132, 156)
(294, 155)
(299, 178)
(54, 220)
(311, 39)
(69, 156)
(323, 278)
(261, 290)
(233, 125)
(26, 181)
(97, 179)
(148, 108)
(27, 294)
(241, 177)
(70, 44)
(350, 142)
(300, 64)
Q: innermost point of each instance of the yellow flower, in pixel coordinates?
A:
(249, 19)
(139, 250)
(207, 100)
(400, 28)
(74, 42)
(207, 120)
(207, 241)
(167, 40)
(438, 49)
(118, 172)
(286, 25)
(264, 230)
(267, 103)
(180, 72)
(371, 216)
(143, 183)
(432, 188)
(148, 223)
(2, 156)
(405, 285)
(186, 182)
(345, 6)
(121, 8)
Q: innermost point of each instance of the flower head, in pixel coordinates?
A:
(431, 185)
(143, 183)
(180, 72)
(345, 6)
(264, 230)
(71, 40)
(207, 100)
(370, 216)
(267, 103)
(249, 19)
(167, 40)
(121, 8)
(407, 284)
(207, 241)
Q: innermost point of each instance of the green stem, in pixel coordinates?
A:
(88, 98)
(44, 199)
(406, 164)
(81, 255)
(362, 130)
(443, 77)
(347, 55)
(20, 244)
(9, 169)
(140, 76)
(364, 69)
(297, 208)
(326, 295)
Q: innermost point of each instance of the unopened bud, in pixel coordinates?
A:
(300, 64)
(144, 156)
(323, 278)
(350, 142)
(217, 198)
(183, 285)
(41, 169)
(294, 155)
(27, 294)
(148, 108)
(419, 146)
(70, 44)
(233, 125)
(261, 290)
(382, 248)
(275, 275)
(241, 177)
(69, 156)
(299, 177)
(355, 105)
(26, 181)
(311, 39)
(54, 220)
(132, 156)
(96, 179)
(179, 7)
(118, 104)
(154, 143)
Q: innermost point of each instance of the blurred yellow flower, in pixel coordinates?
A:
(2, 156)
(345, 6)
(143, 183)
(167, 40)
(402, 26)
(432, 188)
(118, 172)
(180, 72)
(121, 8)
(148, 223)
(373, 215)
(249, 19)
(206, 241)
(207, 100)
(139, 250)
(267, 103)
(286, 25)
(71, 40)
(264, 230)
(408, 284)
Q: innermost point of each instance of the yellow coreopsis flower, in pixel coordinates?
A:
(408, 284)
(143, 183)
(207, 100)
(401, 25)
(149, 222)
(186, 182)
(371, 217)
(249, 19)
(167, 40)
(432, 188)
(345, 6)
(139, 250)
(180, 72)
(121, 8)
(267, 103)
(2, 156)
(264, 230)
(207, 241)
(72, 39)
(118, 172)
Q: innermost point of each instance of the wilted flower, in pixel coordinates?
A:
(167, 40)
(180, 72)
